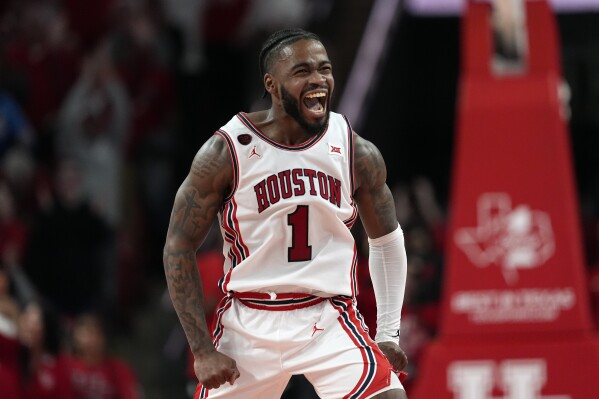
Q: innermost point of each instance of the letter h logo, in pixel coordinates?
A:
(518, 379)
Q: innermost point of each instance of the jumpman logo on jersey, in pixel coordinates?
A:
(314, 329)
(254, 152)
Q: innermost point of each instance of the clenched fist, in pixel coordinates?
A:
(394, 354)
(213, 369)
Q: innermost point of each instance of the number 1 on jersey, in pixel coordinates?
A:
(299, 250)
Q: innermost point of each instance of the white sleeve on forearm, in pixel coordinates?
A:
(388, 268)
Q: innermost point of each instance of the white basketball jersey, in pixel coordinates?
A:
(286, 224)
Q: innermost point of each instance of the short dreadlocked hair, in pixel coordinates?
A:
(277, 41)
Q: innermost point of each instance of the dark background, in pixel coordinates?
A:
(409, 114)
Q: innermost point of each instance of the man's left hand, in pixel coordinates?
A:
(394, 354)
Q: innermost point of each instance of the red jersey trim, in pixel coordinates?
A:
(299, 147)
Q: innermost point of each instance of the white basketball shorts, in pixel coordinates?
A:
(273, 338)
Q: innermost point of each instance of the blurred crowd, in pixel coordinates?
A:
(103, 104)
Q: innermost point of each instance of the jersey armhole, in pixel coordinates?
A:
(234, 163)
(350, 155)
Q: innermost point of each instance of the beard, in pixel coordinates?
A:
(292, 108)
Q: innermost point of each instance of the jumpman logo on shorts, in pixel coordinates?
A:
(314, 329)
(254, 152)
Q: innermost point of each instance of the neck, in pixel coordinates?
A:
(280, 126)
(35, 353)
(92, 358)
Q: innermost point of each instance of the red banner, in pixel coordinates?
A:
(515, 316)
(515, 257)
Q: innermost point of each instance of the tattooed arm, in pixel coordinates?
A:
(387, 258)
(196, 204)
(375, 201)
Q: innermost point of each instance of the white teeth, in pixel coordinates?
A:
(316, 95)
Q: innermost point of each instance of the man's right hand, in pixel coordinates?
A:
(213, 369)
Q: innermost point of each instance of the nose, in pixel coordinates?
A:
(316, 77)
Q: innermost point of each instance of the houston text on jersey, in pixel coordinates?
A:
(292, 182)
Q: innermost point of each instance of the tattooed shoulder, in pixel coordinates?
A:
(201, 194)
(212, 156)
(369, 164)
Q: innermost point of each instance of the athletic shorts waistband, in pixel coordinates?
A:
(276, 301)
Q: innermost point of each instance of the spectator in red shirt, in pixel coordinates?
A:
(10, 382)
(43, 54)
(44, 370)
(93, 373)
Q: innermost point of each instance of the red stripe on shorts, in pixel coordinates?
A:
(367, 384)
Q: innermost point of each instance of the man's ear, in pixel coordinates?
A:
(269, 84)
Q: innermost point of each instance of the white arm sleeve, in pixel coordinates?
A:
(388, 268)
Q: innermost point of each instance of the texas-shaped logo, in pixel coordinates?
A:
(514, 238)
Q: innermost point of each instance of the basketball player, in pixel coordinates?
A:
(286, 184)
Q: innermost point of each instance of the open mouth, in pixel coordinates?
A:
(316, 102)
